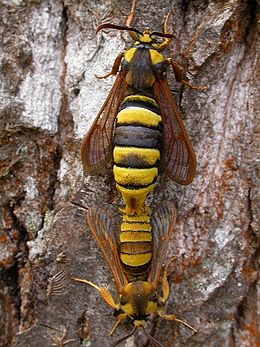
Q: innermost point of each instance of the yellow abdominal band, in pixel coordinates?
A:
(136, 259)
(144, 218)
(136, 240)
(136, 154)
(149, 156)
(133, 115)
(135, 177)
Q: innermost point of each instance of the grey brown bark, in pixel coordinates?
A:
(49, 98)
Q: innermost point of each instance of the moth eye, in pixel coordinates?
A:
(153, 298)
(123, 301)
(118, 312)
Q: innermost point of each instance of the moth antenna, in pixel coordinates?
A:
(118, 27)
(124, 338)
(169, 36)
(153, 340)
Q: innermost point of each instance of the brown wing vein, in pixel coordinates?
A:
(178, 158)
(96, 148)
(101, 224)
(163, 222)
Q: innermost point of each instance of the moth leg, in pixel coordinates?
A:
(178, 73)
(121, 317)
(166, 292)
(112, 194)
(104, 293)
(189, 48)
(165, 283)
(131, 15)
(166, 40)
(115, 67)
(172, 317)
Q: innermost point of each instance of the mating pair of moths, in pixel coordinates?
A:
(140, 129)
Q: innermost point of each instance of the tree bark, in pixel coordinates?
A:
(49, 99)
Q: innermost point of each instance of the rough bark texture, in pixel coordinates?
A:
(49, 98)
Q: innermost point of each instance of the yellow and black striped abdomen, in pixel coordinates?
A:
(136, 245)
(137, 144)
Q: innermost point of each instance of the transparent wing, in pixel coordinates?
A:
(96, 148)
(163, 223)
(102, 225)
(178, 158)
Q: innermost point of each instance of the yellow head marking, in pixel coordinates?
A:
(146, 37)
(139, 323)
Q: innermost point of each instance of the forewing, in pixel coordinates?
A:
(163, 223)
(96, 148)
(178, 158)
(102, 226)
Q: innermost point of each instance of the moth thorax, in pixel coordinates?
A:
(138, 299)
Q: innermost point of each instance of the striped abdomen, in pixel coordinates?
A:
(136, 246)
(137, 144)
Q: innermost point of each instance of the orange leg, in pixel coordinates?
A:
(173, 318)
(104, 293)
(166, 41)
(121, 317)
(165, 283)
(180, 78)
(115, 67)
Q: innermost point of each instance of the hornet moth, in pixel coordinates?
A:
(139, 294)
(140, 129)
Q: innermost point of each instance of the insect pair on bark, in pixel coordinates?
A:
(140, 130)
